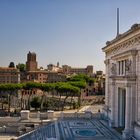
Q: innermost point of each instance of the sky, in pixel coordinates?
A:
(71, 32)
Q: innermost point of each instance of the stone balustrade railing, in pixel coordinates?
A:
(56, 115)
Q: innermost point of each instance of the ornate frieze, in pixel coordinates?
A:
(128, 44)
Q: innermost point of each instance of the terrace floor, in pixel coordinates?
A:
(74, 129)
(82, 129)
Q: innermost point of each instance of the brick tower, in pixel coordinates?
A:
(31, 64)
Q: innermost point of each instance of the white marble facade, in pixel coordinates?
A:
(122, 95)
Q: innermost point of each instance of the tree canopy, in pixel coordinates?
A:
(21, 67)
(35, 103)
(79, 84)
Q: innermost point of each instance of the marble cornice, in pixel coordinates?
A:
(126, 77)
(131, 32)
(122, 43)
(125, 54)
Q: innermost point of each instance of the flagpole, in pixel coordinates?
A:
(117, 21)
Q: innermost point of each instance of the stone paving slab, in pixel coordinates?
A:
(86, 130)
(74, 129)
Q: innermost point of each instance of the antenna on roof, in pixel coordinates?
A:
(117, 22)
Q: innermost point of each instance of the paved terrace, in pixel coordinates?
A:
(75, 126)
(74, 129)
(82, 129)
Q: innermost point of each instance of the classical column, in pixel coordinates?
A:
(112, 119)
(126, 132)
(134, 53)
(107, 83)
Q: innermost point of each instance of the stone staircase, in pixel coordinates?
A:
(105, 130)
(43, 133)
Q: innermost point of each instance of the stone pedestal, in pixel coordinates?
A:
(50, 114)
(25, 114)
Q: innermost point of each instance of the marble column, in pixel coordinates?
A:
(134, 53)
(112, 119)
(126, 132)
(107, 83)
(106, 106)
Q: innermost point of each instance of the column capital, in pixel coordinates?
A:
(134, 52)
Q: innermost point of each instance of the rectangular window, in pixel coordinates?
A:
(122, 67)
(119, 67)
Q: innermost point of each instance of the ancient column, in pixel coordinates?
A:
(111, 123)
(126, 132)
(107, 83)
(134, 53)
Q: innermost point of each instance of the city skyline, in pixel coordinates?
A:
(69, 32)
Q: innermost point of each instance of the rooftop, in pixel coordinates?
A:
(133, 28)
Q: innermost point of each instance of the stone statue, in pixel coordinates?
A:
(113, 68)
(128, 65)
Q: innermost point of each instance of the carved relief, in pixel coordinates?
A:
(127, 44)
(128, 64)
(113, 69)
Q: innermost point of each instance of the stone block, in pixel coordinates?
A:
(25, 114)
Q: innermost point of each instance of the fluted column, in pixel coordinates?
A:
(112, 105)
(126, 132)
(107, 83)
(134, 53)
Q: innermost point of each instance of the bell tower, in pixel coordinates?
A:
(31, 64)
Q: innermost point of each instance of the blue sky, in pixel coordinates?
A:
(69, 31)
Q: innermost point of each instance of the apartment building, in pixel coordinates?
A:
(9, 75)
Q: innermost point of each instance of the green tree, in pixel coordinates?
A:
(35, 103)
(57, 85)
(80, 85)
(67, 90)
(30, 86)
(81, 81)
(10, 89)
(45, 87)
(82, 77)
(21, 67)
